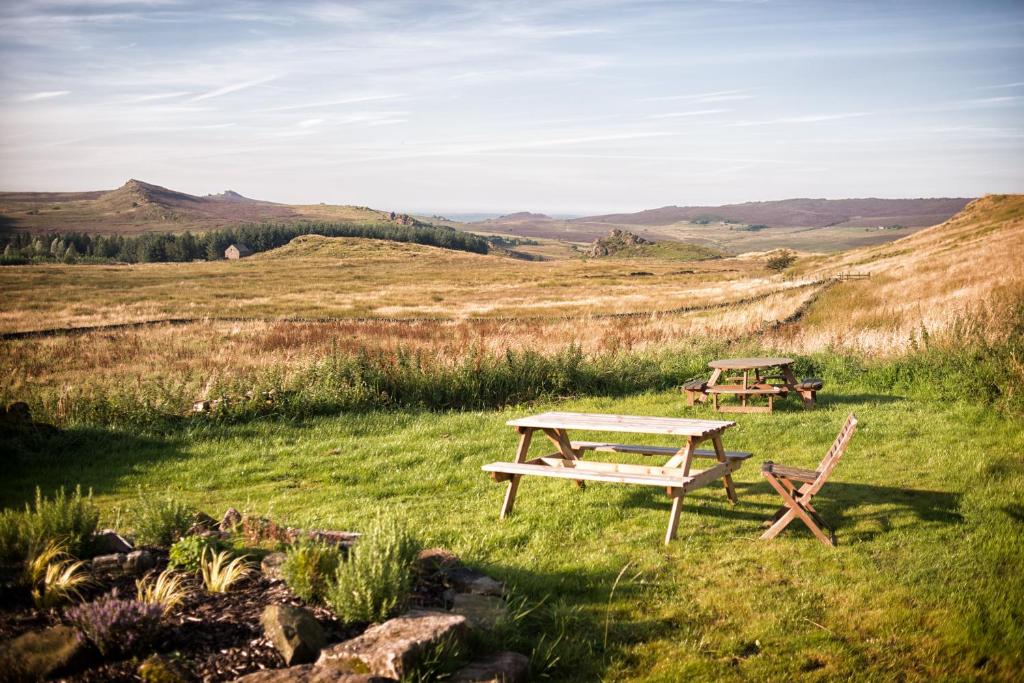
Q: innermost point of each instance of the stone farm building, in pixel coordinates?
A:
(237, 251)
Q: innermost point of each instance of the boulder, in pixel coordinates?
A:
(466, 580)
(294, 631)
(481, 611)
(435, 560)
(109, 541)
(135, 562)
(395, 647)
(231, 519)
(41, 654)
(202, 524)
(309, 673)
(501, 667)
(271, 566)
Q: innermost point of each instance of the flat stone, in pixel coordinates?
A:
(41, 654)
(294, 631)
(481, 611)
(466, 580)
(394, 648)
(135, 562)
(271, 566)
(434, 560)
(310, 673)
(160, 669)
(109, 541)
(501, 667)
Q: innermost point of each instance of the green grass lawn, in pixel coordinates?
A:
(926, 582)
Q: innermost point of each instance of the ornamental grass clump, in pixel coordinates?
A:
(309, 567)
(116, 626)
(375, 582)
(167, 589)
(53, 577)
(220, 572)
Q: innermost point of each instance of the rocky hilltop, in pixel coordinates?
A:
(616, 241)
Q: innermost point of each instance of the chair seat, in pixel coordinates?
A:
(810, 384)
(696, 385)
(793, 473)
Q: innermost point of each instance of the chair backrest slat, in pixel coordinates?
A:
(835, 452)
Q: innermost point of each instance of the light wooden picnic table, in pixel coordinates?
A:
(745, 378)
(676, 476)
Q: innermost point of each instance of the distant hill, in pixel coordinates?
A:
(804, 213)
(138, 207)
(519, 216)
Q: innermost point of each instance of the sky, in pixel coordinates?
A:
(560, 106)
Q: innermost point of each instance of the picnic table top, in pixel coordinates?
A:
(749, 363)
(602, 422)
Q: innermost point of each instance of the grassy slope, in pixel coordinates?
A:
(926, 582)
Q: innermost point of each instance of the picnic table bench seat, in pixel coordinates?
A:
(754, 389)
(670, 478)
(810, 384)
(651, 450)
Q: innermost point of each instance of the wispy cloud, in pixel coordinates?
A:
(1003, 86)
(309, 123)
(46, 95)
(233, 87)
(809, 118)
(719, 96)
(697, 112)
(338, 102)
(156, 96)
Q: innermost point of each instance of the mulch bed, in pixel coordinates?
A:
(212, 637)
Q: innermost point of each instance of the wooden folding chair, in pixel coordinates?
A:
(797, 501)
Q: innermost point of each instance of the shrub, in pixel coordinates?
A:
(69, 522)
(219, 575)
(166, 589)
(161, 521)
(188, 553)
(309, 567)
(781, 261)
(376, 580)
(117, 626)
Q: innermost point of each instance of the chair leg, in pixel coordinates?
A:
(795, 510)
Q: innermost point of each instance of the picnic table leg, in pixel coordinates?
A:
(684, 457)
(525, 436)
(730, 490)
(715, 374)
(561, 439)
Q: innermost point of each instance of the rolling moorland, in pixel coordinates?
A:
(806, 224)
(371, 348)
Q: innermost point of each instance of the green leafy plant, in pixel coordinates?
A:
(220, 572)
(188, 552)
(166, 589)
(376, 580)
(161, 521)
(309, 568)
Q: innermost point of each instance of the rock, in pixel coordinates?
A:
(160, 669)
(616, 241)
(435, 560)
(232, 518)
(466, 580)
(271, 566)
(201, 407)
(202, 525)
(294, 631)
(344, 539)
(135, 562)
(309, 673)
(481, 611)
(18, 412)
(501, 667)
(109, 541)
(395, 647)
(40, 654)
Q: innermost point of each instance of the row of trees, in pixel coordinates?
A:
(186, 246)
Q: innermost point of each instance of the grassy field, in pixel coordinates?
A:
(925, 584)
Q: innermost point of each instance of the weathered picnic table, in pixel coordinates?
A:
(676, 476)
(771, 378)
